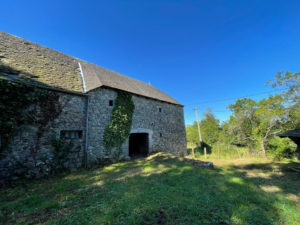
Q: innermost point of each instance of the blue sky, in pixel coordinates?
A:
(199, 52)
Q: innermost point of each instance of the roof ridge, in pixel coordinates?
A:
(74, 57)
(58, 69)
(128, 78)
(122, 75)
(82, 69)
(111, 70)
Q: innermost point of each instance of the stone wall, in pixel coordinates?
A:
(99, 117)
(163, 122)
(32, 157)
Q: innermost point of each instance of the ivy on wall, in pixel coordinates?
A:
(23, 104)
(61, 152)
(118, 130)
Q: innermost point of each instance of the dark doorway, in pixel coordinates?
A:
(138, 144)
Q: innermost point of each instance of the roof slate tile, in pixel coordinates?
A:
(52, 68)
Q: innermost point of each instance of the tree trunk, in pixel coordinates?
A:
(239, 154)
(262, 146)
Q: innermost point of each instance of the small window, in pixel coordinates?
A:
(71, 134)
(111, 103)
(159, 109)
(160, 134)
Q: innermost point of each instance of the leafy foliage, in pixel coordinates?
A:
(61, 151)
(119, 128)
(210, 128)
(254, 124)
(290, 82)
(23, 104)
(192, 134)
(282, 148)
(15, 98)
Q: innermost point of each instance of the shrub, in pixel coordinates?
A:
(61, 151)
(281, 148)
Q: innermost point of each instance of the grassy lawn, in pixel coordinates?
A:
(160, 189)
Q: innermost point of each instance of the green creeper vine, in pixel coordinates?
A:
(23, 104)
(118, 130)
(61, 152)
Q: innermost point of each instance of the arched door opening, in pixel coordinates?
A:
(138, 144)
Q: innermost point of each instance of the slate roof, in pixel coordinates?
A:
(290, 133)
(25, 59)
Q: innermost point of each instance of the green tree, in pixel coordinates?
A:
(192, 134)
(271, 118)
(241, 122)
(229, 133)
(290, 82)
(210, 128)
(257, 122)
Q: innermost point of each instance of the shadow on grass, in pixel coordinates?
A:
(160, 189)
(272, 174)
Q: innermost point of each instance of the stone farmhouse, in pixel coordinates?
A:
(86, 94)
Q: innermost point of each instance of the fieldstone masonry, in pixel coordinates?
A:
(78, 83)
(99, 117)
(164, 122)
(28, 159)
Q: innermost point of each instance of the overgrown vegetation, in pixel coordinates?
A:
(23, 104)
(14, 101)
(253, 125)
(160, 189)
(61, 151)
(119, 128)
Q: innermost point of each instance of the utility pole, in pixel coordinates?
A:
(199, 132)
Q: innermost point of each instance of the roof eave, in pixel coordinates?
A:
(159, 100)
(44, 87)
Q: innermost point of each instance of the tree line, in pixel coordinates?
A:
(255, 124)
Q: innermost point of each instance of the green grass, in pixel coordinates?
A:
(225, 151)
(160, 189)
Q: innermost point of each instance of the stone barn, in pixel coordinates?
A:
(75, 112)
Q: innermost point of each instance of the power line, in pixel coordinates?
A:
(227, 99)
(188, 115)
(218, 111)
(212, 110)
